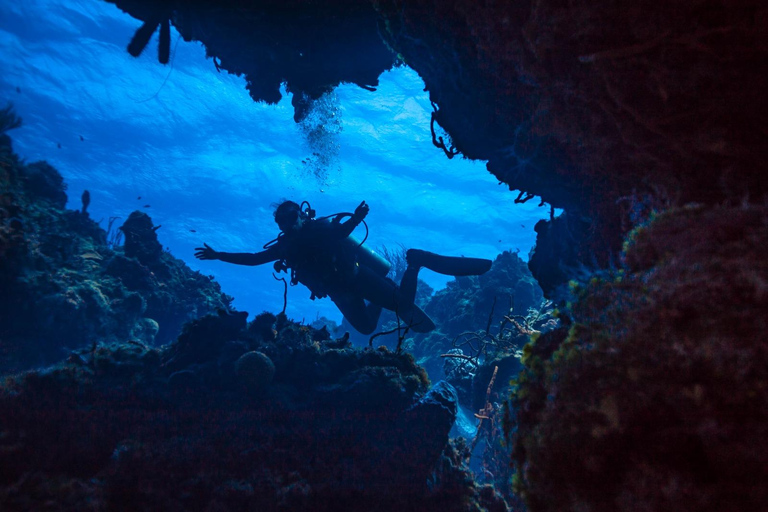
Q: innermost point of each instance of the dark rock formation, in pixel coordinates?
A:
(141, 239)
(336, 429)
(661, 381)
(558, 255)
(599, 108)
(43, 181)
(311, 47)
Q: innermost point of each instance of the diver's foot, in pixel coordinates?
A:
(416, 257)
(416, 319)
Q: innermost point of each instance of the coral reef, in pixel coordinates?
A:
(650, 396)
(119, 428)
(8, 119)
(254, 371)
(471, 306)
(65, 287)
(656, 397)
(483, 323)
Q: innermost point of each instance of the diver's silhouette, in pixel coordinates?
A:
(323, 256)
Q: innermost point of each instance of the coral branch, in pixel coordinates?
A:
(285, 291)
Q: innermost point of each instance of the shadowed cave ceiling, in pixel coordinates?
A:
(609, 110)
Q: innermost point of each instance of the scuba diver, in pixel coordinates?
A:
(323, 255)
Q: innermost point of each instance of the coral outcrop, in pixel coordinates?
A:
(656, 398)
(471, 306)
(126, 426)
(254, 371)
(65, 286)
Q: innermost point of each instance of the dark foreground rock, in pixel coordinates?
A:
(657, 396)
(204, 424)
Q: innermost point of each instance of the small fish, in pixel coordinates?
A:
(146, 206)
(18, 90)
(58, 145)
(138, 198)
(81, 138)
(499, 240)
(193, 231)
(522, 225)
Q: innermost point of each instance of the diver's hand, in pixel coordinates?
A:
(361, 211)
(206, 253)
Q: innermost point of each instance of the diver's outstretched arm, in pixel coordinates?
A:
(238, 258)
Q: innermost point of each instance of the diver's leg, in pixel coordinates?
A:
(408, 284)
(378, 290)
(364, 318)
(385, 293)
(448, 265)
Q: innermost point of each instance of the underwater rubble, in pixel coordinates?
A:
(67, 285)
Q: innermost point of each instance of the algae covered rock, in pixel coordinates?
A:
(254, 371)
(128, 435)
(67, 285)
(145, 330)
(657, 397)
(141, 238)
(202, 340)
(45, 182)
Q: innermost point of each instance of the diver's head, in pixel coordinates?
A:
(288, 216)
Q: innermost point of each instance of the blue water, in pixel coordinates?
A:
(190, 143)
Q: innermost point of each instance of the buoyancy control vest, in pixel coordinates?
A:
(322, 262)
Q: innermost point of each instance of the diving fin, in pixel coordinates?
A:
(418, 320)
(448, 265)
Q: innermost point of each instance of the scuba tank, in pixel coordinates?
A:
(367, 257)
(364, 255)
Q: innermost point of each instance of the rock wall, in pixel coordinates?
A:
(655, 396)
